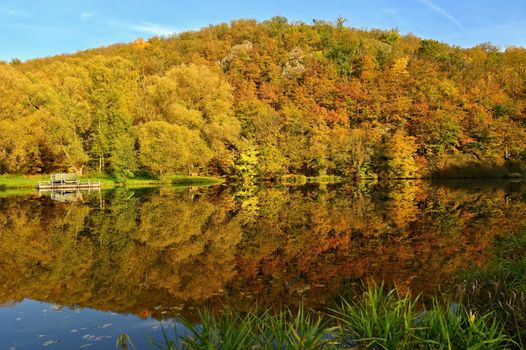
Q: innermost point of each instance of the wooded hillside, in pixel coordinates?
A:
(268, 99)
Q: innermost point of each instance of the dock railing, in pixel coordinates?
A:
(64, 178)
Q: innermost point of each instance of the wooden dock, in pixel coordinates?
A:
(67, 182)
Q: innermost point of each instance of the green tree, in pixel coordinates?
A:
(197, 98)
(166, 148)
(111, 134)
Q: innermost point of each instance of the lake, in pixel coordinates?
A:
(79, 269)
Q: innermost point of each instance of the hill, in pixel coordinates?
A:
(267, 99)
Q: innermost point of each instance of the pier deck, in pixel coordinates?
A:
(66, 182)
(68, 186)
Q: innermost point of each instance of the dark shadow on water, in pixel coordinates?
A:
(480, 184)
(478, 170)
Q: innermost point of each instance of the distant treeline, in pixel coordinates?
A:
(267, 99)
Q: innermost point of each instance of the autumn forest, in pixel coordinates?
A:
(267, 99)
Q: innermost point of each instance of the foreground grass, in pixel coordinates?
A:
(30, 181)
(377, 320)
(500, 286)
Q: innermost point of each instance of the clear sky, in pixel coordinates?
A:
(36, 28)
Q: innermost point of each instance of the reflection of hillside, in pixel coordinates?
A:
(156, 252)
(409, 235)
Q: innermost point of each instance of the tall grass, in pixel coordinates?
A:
(231, 330)
(387, 320)
(456, 328)
(378, 319)
(500, 286)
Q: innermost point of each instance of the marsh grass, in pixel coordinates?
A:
(231, 330)
(378, 319)
(446, 327)
(387, 320)
(500, 286)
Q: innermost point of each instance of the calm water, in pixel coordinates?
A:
(76, 271)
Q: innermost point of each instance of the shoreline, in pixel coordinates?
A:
(10, 182)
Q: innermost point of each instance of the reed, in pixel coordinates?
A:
(378, 319)
(231, 330)
(500, 286)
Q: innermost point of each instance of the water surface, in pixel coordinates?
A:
(76, 271)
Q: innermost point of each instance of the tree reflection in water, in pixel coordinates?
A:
(164, 251)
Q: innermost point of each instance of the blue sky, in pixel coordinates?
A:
(36, 28)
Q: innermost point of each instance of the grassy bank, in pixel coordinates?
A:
(175, 180)
(30, 181)
(375, 320)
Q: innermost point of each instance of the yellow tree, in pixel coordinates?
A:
(400, 153)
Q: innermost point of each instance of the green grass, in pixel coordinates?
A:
(231, 330)
(294, 179)
(375, 320)
(4, 193)
(30, 181)
(325, 179)
(21, 181)
(387, 320)
(194, 180)
(500, 286)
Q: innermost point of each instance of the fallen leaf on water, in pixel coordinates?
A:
(51, 342)
(106, 325)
